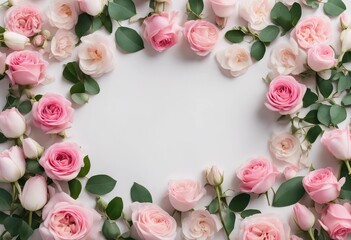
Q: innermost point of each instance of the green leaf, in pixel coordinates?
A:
(295, 12)
(334, 8)
(258, 49)
(249, 212)
(309, 98)
(323, 115)
(26, 231)
(345, 194)
(106, 20)
(235, 36)
(121, 9)
(3, 138)
(337, 114)
(91, 86)
(3, 216)
(13, 225)
(346, 100)
(139, 193)
(196, 6)
(289, 192)
(70, 72)
(97, 24)
(229, 220)
(114, 208)
(129, 40)
(344, 82)
(280, 15)
(313, 133)
(346, 57)
(25, 107)
(269, 34)
(5, 200)
(77, 88)
(33, 167)
(38, 97)
(311, 117)
(239, 202)
(100, 184)
(213, 207)
(86, 168)
(75, 187)
(110, 230)
(325, 87)
(83, 25)
(344, 172)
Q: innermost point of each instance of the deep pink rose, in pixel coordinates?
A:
(338, 143)
(201, 35)
(26, 67)
(153, 223)
(62, 161)
(24, 19)
(161, 30)
(264, 226)
(321, 57)
(184, 194)
(52, 113)
(322, 186)
(285, 95)
(257, 176)
(336, 220)
(312, 30)
(65, 218)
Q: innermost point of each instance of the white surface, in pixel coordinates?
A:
(169, 116)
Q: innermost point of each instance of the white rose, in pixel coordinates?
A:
(235, 59)
(63, 14)
(200, 224)
(286, 58)
(345, 38)
(256, 13)
(32, 149)
(92, 8)
(15, 41)
(34, 194)
(287, 147)
(62, 44)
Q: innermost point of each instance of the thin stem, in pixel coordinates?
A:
(310, 232)
(219, 196)
(348, 166)
(267, 197)
(30, 218)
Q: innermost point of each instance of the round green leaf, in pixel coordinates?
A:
(129, 40)
(114, 208)
(91, 86)
(344, 82)
(334, 7)
(346, 100)
(249, 212)
(239, 202)
(281, 16)
(213, 207)
(139, 193)
(196, 6)
(323, 114)
(75, 187)
(100, 184)
(269, 34)
(121, 9)
(80, 98)
(5, 200)
(110, 230)
(86, 168)
(337, 114)
(289, 192)
(25, 107)
(235, 36)
(258, 49)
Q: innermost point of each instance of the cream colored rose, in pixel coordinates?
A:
(345, 38)
(63, 14)
(256, 13)
(96, 54)
(286, 58)
(62, 44)
(235, 59)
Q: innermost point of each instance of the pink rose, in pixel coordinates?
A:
(200, 224)
(321, 57)
(26, 67)
(322, 186)
(62, 161)
(65, 218)
(63, 14)
(338, 143)
(62, 44)
(184, 194)
(223, 8)
(92, 8)
(285, 95)
(336, 220)
(161, 30)
(268, 225)
(153, 223)
(312, 30)
(257, 176)
(52, 113)
(2, 63)
(34, 194)
(214, 176)
(12, 123)
(12, 164)
(201, 35)
(24, 19)
(15, 41)
(303, 217)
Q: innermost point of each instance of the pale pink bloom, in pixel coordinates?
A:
(63, 44)
(321, 57)
(63, 14)
(15, 41)
(345, 20)
(223, 8)
(303, 217)
(32, 149)
(338, 143)
(214, 176)
(12, 123)
(34, 194)
(92, 8)
(12, 164)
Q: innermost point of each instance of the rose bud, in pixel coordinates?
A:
(46, 34)
(337, 141)
(303, 217)
(15, 41)
(32, 149)
(12, 123)
(92, 8)
(12, 164)
(34, 194)
(345, 20)
(214, 176)
(39, 41)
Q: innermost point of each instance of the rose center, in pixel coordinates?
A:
(65, 10)
(95, 54)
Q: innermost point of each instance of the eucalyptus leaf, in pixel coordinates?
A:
(269, 34)
(100, 184)
(258, 49)
(334, 8)
(213, 206)
(313, 133)
(75, 187)
(249, 212)
(129, 40)
(91, 86)
(13, 225)
(114, 208)
(337, 114)
(106, 20)
(346, 100)
(139, 193)
(239, 202)
(97, 24)
(3, 216)
(121, 9)
(5, 200)
(280, 15)
(323, 114)
(235, 36)
(110, 230)
(86, 168)
(25, 107)
(289, 192)
(344, 82)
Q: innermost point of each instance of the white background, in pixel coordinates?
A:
(163, 116)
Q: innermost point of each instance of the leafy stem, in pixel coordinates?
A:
(310, 233)
(347, 162)
(219, 196)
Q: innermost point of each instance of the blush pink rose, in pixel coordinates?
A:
(161, 30)
(12, 123)
(184, 194)
(26, 67)
(285, 95)
(257, 176)
(24, 19)
(338, 143)
(223, 8)
(12, 164)
(153, 223)
(321, 57)
(303, 217)
(312, 30)
(322, 186)
(34, 194)
(62, 44)
(201, 35)
(63, 14)
(65, 218)
(336, 220)
(62, 161)
(268, 225)
(92, 8)
(52, 113)
(345, 20)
